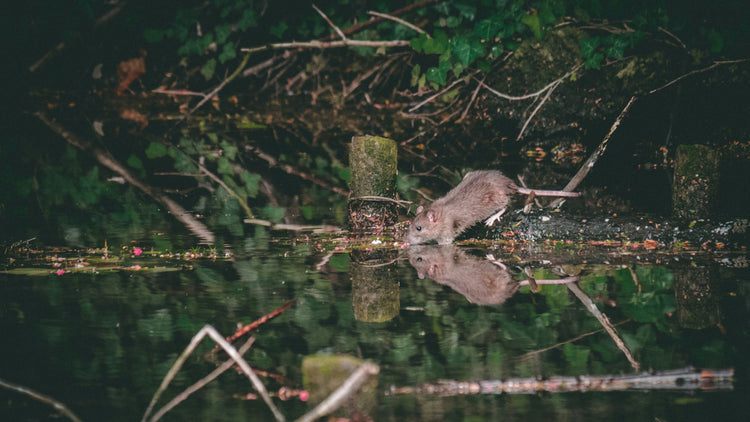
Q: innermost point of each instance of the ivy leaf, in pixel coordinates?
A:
(252, 182)
(278, 29)
(222, 33)
(588, 46)
(436, 75)
(224, 166)
(467, 50)
(594, 61)
(532, 21)
(487, 29)
(155, 150)
(247, 20)
(227, 53)
(208, 69)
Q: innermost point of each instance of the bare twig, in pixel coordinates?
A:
(589, 163)
(327, 44)
(210, 331)
(291, 170)
(106, 159)
(535, 94)
(533, 113)
(178, 92)
(439, 93)
(473, 97)
(372, 21)
(572, 340)
(231, 192)
(404, 204)
(335, 28)
(201, 383)
(608, 327)
(220, 86)
(116, 9)
(401, 21)
(337, 398)
(697, 71)
(42, 398)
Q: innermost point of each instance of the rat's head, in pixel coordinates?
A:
(427, 226)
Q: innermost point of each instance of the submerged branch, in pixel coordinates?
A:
(201, 382)
(337, 398)
(107, 160)
(40, 397)
(210, 331)
(591, 306)
(687, 379)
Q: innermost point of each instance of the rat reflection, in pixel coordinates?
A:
(480, 281)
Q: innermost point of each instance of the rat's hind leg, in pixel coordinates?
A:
(495, 217)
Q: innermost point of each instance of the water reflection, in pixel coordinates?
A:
(481, 281)
(101, 340)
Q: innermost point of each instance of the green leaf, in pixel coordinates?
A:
(278, 29)
(224, 166)
(222, 32)
(228, 53)
(135, 162)
(487, 29)
(532, 21)
(275, 214)
(155, 150)
(208, 69)
(436, 75)
(252, 182)
(588, 46)
(467, 50)
(594, 61)
(247, 20)
(153, 35)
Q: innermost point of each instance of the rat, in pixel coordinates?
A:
(481, 281)
(479, 195)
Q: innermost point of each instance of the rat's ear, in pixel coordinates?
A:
(420, 209)
(432, 216)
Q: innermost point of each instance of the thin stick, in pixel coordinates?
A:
(608, 327)
(439, 93)
(231, 351)
(292, 170)
(401, 21)
(473, 97)
(594, 157)
(220, 86)
(107, 160)
(239, 199)
(260, 321)
(337, 398)
(535, 94)
(695, 72)
(533, 113)
(327, 44)
(572, 340)
(40, 397)
(201, 383)
(335, 28)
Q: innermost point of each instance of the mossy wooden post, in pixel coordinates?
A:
(372, 161)
(375, 289)
(323, 374)
(696, 182)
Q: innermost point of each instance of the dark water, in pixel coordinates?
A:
(102, 342)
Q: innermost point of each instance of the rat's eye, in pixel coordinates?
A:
(419, 228)
(419, 259)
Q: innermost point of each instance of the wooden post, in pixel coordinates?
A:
(696, 182)
(372, 205)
